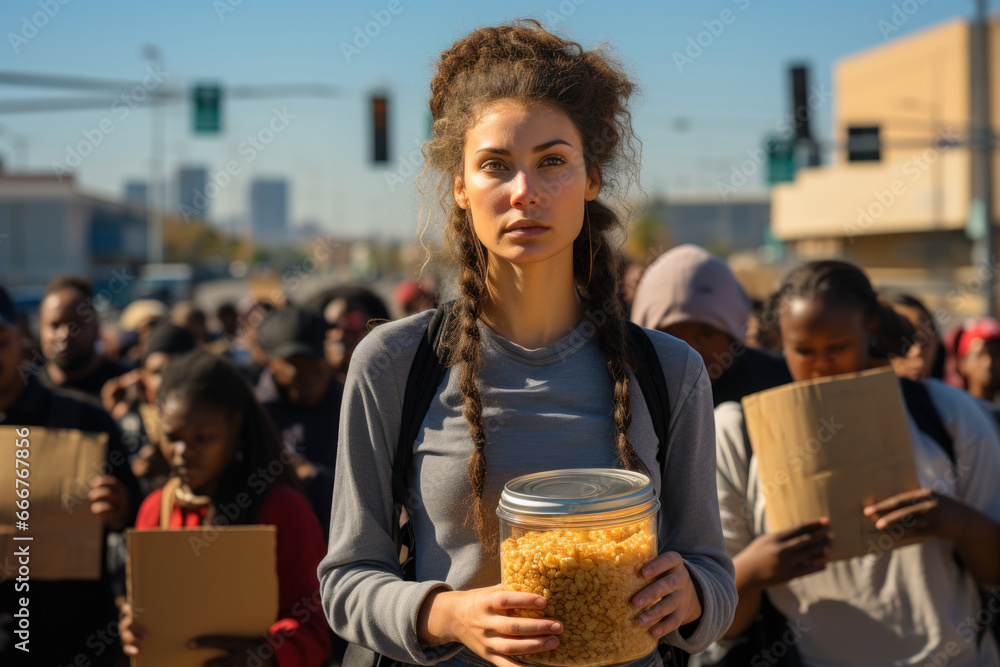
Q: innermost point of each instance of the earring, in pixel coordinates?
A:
(590, 242)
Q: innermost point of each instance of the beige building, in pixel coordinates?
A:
(896, 194)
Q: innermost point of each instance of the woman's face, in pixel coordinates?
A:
(524, 181)
(200, 441)
(822, 338)
(981, 366)
(919, 360)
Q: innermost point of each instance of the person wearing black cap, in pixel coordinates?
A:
(299, 392)
(347, 309)
(66, 616)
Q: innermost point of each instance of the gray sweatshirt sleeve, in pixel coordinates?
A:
(365, 599)
(689, 504)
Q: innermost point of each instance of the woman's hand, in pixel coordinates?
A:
(108, 500)
(131, 633)
(919, 514)
(775, 558)
(240, 651)
(927, 513)
(479, 620)
(673, 588)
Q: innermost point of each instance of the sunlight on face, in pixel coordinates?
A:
(525, 181)
(201, 441)
(822, 338)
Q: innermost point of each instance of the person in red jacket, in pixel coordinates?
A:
(228, 468)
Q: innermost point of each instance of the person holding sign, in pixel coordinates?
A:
(229, 470)
(529, 130)
(68, 618)
(911, 605)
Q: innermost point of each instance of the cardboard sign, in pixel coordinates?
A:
(150, 415)
(192, 582)
(66, 538)
(829, 447)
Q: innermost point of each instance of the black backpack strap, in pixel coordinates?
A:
(652, 383)
(425, 375)
(925, 414)
(649, 375)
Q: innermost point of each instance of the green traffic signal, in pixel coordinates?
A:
(207, 105)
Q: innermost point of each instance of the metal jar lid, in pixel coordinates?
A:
(565, 494)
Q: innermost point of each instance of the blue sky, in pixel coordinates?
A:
(696, 119)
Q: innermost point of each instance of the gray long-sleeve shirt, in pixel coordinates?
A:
(543, 409)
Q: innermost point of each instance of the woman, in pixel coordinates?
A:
(913, 605)
(691, 294)
(229, 469)
(977, 357)
(528, 130)
(925, 356)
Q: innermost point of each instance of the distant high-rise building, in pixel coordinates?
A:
(269, 209)
(137, 192)
(192, 202)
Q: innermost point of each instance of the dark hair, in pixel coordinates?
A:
(840, 282)
(895, 335)
(206, 379)
(169, 338)
(524, 62)
(78, 283)
(357, 297)
(829, 280)
(910, 301)
(226, 310)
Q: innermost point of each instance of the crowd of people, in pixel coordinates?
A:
(534, 373)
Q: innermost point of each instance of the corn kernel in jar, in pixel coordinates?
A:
(586, 565)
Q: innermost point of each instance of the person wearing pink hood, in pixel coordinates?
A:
(689, 293)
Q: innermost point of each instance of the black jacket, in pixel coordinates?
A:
(67, 618)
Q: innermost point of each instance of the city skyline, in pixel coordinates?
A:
(714, 82)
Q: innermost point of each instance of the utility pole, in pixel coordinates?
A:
(981, 204)
(156, 202)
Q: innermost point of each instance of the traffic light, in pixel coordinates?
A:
(780, 159)
(800, 102)
(207, 109)
(380, 127)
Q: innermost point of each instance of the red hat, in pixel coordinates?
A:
(408, 291)
(984, 328)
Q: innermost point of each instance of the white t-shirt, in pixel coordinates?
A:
(910, 606)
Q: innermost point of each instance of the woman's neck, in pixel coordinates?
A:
(983, 391)
(533, 305)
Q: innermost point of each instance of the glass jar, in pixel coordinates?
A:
(580, 538)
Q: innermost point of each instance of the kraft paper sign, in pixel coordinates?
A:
(45, 498)
(191, 582)
(150, 415)
(829, 447)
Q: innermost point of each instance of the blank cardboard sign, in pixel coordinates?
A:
(150, 416)
(200, 581)
(67, 539)
(829, 447)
